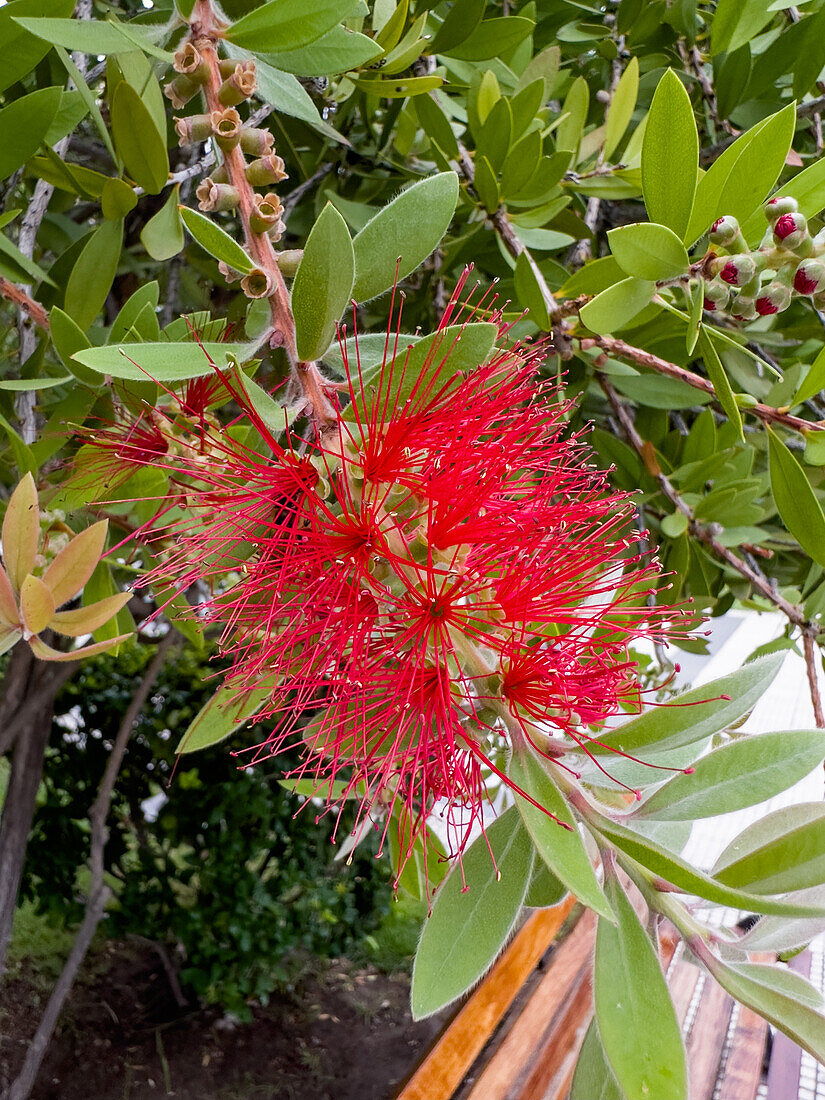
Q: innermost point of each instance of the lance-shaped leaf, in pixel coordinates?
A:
(224, 713)
(47, 653)
(785, 1003)
(403, 234)
(84, 620)
(21, 532)
(695, 714)
(670, 156)
(172, 362)
(23, 125)
(473, 914)
(288, 24)
(323, 283)
(562, 849)
(215, 240)
(743, 773)
(76, 562)
(782, 934)
(636, 1018)
(36, 604)
(795, 500)
(783, 851)
(594, 1079)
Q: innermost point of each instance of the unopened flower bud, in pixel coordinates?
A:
(266, 170)
(737, 270)
(726, 233)
(193, 128)
(226, 126)
(809, 277)
(744, 309)
(239, 86)
(289, 260)
(776, 207)
(775, 298)
(189, 62)
(255, 142)
(791, 232)
(717, 296)
(257, 284)
(267, 213)
(216, 196)
(179, 91)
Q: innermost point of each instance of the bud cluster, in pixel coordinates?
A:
(749, 283)
(227, 129)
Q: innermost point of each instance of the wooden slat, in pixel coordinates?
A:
(447, 1063)
(743, 1069)
(707, 1040)
(560, 1050)
(537, 1024)
(786, 1056)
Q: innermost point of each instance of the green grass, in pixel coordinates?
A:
(392, 946)
(38, 946)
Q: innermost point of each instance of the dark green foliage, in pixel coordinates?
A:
(230, 874)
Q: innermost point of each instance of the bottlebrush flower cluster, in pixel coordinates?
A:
(756, 283)
(441, 571)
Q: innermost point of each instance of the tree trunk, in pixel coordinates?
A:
(26, 707)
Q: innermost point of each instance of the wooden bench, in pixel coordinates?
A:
(517, 1036)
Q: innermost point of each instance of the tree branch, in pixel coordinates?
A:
(613, 346)
(99, 892)
(19, 297)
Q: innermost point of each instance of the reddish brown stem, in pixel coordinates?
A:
(613, 346)
(206, 30)
(20, 298)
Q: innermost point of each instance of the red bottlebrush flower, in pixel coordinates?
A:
(442, 571)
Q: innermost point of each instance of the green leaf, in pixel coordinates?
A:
(648, 251)
(594, 1079)
(407, 229)
(742, 177)
(807, 187)
(486, 184)
(670, 156)
(23, 126)
(97, 36)
(224, 713)
(286, 94)
(492, 38)
(470, 924)
(400, 87)
(813, 382)
(743, 773)
(758, 987)
(459, 23)
(635, 1015)
(617, 305)
(133, 311)
(425, 365)
(561, 849)
(719, 379)
(781, 852)
(338, 51)
(323, 283)
(215, 240)
(20, 50)
(137, 140)
(162, 362)
(162, 235)
(436, 124)
(782, 934)
(689, 880)
(32, 385)
(117, 199)
(93, 273)
(529, 291)
(545, 890)
(68, 338)
(621, 107)
(736, 22)
(18, 267)
(288, 24)
(795, 500)
(274, 416)
(575, 107)
(694, 715)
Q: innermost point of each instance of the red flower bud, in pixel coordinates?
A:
(809, 277)
(790, 230)
(773, 299)
(724, 231)
(738, 270)
(779, 205)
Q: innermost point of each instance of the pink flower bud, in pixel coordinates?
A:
(791, 231)
(809, 277)
(724, 231)
(738, 270)
(773, 299)
(776, 207)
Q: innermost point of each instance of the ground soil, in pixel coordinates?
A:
(344, 1033)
